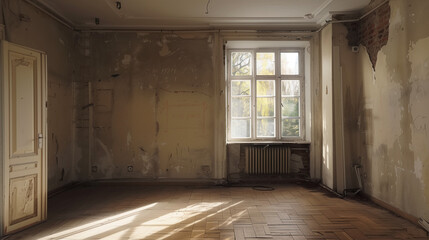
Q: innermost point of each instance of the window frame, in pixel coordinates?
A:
(277, 77)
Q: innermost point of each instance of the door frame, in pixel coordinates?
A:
(1, 139)
(44, 113)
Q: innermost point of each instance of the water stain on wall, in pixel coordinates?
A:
(159, 117)
(392, 103)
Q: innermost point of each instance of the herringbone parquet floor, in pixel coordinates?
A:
(291, 211)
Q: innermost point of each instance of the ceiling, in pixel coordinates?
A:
(201, 14)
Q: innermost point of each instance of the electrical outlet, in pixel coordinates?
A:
(94, 169)
(130, 168)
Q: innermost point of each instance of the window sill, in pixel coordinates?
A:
(270, 142)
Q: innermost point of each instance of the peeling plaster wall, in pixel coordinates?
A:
(153, 97)
(352, 104)
(41, 32)
(387, 125)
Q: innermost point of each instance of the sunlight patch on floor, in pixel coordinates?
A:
(119, 219)
(147, 221)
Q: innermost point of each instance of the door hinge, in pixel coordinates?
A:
(46, 104)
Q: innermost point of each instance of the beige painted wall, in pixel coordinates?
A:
(151, 101)
(316, 146)
(43, 33)
(327, 107)
(387, 111)
(351, 91)
(157, 113)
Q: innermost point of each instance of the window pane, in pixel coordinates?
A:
(290, 127)
(266, 127)
(240, 128)
(265, 107)
(290, 88)
(265, 64)
(240, 106)
(290, 63)
(240, 87)
(290, 107)
(241, 63)
(265, 88)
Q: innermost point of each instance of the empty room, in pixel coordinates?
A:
(214, 119)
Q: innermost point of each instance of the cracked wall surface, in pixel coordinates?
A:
(147, 101)
(153, 105)
(387, 125)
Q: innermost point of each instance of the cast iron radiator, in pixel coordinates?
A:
(266, 159)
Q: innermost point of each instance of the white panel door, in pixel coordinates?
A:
(24, 143)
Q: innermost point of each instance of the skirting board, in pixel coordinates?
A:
(63, 188)
(151, 182)
(393, 209)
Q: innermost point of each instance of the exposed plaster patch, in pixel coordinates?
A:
(106, 161)
(126, 60)
(418, 169)
(396, 20)
(177, 168)
(147, 163)
(165, 51)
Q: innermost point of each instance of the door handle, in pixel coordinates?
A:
(40, 140)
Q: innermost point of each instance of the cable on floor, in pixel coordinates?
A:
(263, 188)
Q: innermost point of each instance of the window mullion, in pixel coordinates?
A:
(229, 94)
(302, 95)
(278, 97)
(253, 134)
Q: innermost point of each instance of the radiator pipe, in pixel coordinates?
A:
(356, 191)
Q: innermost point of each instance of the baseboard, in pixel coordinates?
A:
(393, 209)
(61, 189)
(158, 181)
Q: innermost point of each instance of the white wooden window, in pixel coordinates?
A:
(265, 94)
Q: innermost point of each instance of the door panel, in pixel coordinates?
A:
(23, 198)
(23, 72)
(24, 128)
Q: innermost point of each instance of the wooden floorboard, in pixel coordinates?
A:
(179, 212)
